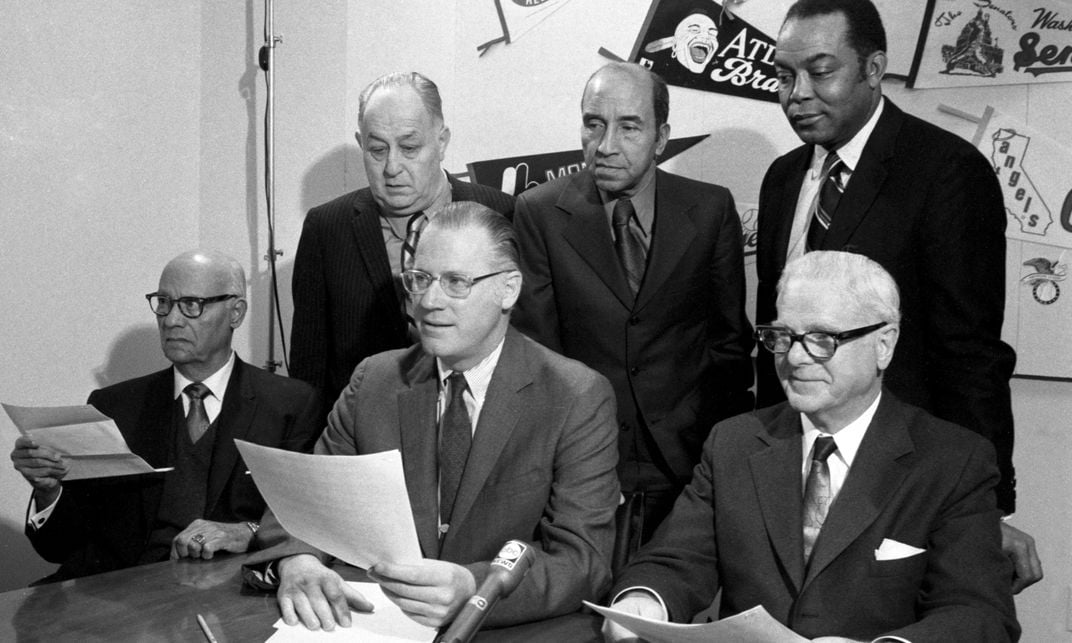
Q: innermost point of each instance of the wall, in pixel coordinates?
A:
(146, 159)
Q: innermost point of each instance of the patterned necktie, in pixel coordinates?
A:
(817, 493)
(630, 250)
(196, 418)
(835, 175)
(455, 439)
(413, 234)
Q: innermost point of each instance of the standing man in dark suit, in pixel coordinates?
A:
(639, 274)
(846, 513)
(500, 439)
(920, 201)
(348, 299)
(186, 417)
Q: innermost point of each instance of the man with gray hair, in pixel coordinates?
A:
(844, 512)
(186, 418)
(348, 297)
(500, 438)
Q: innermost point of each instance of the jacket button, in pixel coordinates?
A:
(633, 321)
(634, 370)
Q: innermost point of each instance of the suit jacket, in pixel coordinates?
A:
(679, 355)
(916, 479)
(346, 303)
(927, 206)
(541, 469)
(105, 524)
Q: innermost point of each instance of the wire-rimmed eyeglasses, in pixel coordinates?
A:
(819, 344)
(190, 307)
(455, 284)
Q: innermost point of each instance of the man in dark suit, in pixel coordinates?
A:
(844, 512)
(657, 307)
(348, 299)
(186, 417)
(500, 439)
(920, 201)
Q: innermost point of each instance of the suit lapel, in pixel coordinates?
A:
(589, 234)
(417, 424)
(503, 405)
(234, 422)
(866, 181)
(672, 234)
(776, 476)
(369, 238)
(876, 474)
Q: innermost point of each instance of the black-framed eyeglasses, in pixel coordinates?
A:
(819, 344)
(455, 284)
(190, 307)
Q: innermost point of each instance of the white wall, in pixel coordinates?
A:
(141, 123)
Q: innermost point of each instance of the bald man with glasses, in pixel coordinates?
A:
(184, 418)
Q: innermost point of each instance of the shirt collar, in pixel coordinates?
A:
(216, 383)
(847, 439)
(478, 377)
(643, 205)
(849, 152)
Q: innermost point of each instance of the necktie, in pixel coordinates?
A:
(630, 250)
(454, 441)
(817, 492)
(834, 178)
(413, 234)
(196, 418)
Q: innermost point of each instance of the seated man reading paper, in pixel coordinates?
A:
(500, 439)
(846, 513)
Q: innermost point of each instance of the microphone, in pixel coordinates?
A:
(507, 570)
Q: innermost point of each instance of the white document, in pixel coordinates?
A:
(751, 626)
(354, 507)
(89, 441)
(385, 624)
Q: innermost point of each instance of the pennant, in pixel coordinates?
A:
(973, 43)
(517, 17)
(516, 174)
(696, 44)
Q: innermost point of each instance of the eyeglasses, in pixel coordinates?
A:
(190, 307)
(820, 345)
(455, 284)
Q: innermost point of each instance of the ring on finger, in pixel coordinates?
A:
(199, 539)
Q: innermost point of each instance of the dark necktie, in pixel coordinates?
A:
(413, 234)
(454, 441)
(834, 177)
(630, 250)
(817, 493)
(196, 418)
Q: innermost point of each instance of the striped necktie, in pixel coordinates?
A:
(413, 234)
(835, 176)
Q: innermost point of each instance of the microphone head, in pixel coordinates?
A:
(511, 564)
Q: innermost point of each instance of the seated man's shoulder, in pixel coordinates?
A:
(132, 389)
(279, 385)
(558, 370)
(939, 439)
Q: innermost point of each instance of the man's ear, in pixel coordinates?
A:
(662, 140)
(357, 137)
(887, 342)
(875, 68)
(511, 289)
(238, 312)
(444, 141)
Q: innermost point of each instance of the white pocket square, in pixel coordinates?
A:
(893, 550)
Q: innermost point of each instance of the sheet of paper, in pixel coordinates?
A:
(354, 507)
(385, 624)
(89, 440)
(751, 626)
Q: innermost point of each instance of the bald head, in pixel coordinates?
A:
(195, 335)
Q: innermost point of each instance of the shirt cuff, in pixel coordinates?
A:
(647, 590)
(37, 518)
(891, 639)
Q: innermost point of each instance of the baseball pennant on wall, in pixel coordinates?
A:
(516, 174)
(993, 42)
(1033, 171)
(692, 43)
(519, 16)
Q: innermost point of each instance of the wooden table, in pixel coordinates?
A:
(160, 602)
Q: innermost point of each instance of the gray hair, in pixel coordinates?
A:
(462, 215)
(863, 280)
(425, 88)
